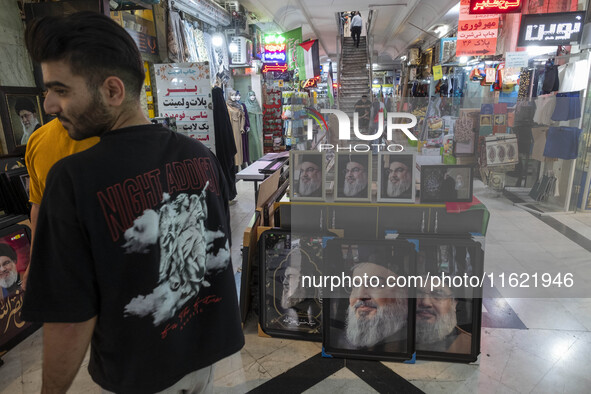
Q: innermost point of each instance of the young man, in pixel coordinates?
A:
(132, 249)
(49, 144)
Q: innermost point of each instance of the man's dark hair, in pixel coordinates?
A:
(94, 46)
(364, 96)
(6, 250)
(24, 104)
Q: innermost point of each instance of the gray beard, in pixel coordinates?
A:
(353, 189)
(368, 331)
(433, 332)
(395, 190)
(9, 280)
(308, 188)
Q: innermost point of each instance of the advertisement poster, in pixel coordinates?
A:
(184, 93)
(477, 34)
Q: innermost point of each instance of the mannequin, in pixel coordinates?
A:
(255, 136)
(245, 150)
(237, 119)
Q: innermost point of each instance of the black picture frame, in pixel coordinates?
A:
(15, 329)
(361, 161)
(452, 255)
(446, 183)
(343, 338)
(287, 310)
(13, 127)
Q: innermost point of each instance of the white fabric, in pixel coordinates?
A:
(545, 105)
(575, 76)
(356, 21)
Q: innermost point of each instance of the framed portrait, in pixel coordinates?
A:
(307, 176)
(22, 113)
(448, 318)
(447, 53)
(396, 177)
(14, 253)
(371, 318)
(353, 175)
(288, 309)
(451, 183)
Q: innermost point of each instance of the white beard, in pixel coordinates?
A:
(9, 280)
(395, 190)
(352, 189)
(433, 332)
(366, 331)
(308, 188)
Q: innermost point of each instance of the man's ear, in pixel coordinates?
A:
(113, 91)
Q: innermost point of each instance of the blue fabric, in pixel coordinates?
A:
(562, 143)
(568, 106)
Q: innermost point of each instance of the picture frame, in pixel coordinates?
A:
(448, 319)
(29, 103)
(390, 184)
(353, 176)
(347, 330)
(15, 329)
(314, 173)
(447, 54)
(446, 183)
(287, 309)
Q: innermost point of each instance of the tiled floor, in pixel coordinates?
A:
(549, 353)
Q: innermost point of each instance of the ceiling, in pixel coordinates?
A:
(396, 24)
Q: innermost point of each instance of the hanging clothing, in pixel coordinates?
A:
(245, 150)
(225, 145)
(539, 136)
(237, 120)
(562, 143)
(568, 106)
(545, 106)
(255, 135)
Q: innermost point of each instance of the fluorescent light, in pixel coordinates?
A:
(233, 47)
(536, 50)
(403, 58)
(217, 40)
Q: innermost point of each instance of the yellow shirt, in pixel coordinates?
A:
(47, 145)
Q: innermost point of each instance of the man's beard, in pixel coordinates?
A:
(367, 331)
(427, 332)
(92, 121)
(9, 280)
(307, 188)
(353, 189)
(28, 130)
(395, 190)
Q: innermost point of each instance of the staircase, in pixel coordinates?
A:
(354, 79)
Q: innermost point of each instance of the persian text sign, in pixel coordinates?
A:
(477, 34)
(495, 6)
(561, 28)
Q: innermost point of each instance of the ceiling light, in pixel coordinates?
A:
(463, 59)
(233, 47)
(403, 58)
(217, 40)
(375, 81)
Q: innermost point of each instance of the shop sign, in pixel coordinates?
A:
(477, 34)
(495, 6)
(274, 67)
(275, 49)
(561, 28)
(516, 59)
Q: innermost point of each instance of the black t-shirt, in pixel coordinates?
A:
(128, 232)
(363, 110)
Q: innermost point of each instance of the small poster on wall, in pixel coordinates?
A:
(184, 93)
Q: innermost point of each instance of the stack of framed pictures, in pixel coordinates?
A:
(389, 308)
(14, 192)
(451, 183)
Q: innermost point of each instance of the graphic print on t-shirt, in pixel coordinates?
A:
(186, 253)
